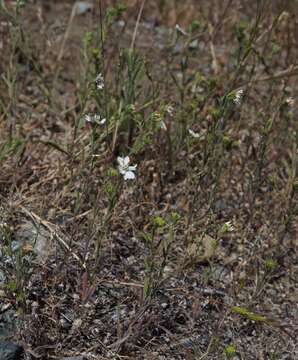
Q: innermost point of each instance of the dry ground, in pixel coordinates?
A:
(222, 294)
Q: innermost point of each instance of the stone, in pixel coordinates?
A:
(10, 351)
(9, 322)
(82, 7)
(33, 237)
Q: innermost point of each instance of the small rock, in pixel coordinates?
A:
(10, 351)
(33, 237)
(9, 322)
(82, 7)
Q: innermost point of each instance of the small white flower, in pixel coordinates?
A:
(228, 227)
(94, 119)
(88, 118)
(163, 125)
(193, 134)
(125, 170)
(98, 120)
(238, 97)
(99, 81)
(180, 30)
(290, 101)
(170, 110)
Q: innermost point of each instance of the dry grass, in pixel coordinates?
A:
(196, 258)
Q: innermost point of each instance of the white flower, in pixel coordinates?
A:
(98, 120)
(290, 101)
(94, 119)
(170, 110)
(125, 170)
(227, 227)
(238, 97)
(99, 81)
(193, 134)
(163, 125)
(88, 118)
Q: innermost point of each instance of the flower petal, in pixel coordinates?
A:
(163, 125)
(120, 161)
(132, 168)
(193, 134)
(122, 170)
(129, 175)
(126, 161)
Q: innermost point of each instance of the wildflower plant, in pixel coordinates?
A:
(205, 150)
(152, 244)
(111, 190)
(227, 227)
(158, 242)
(15, 261)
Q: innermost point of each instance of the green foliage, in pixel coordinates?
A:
(195, 25)
(159, 222)
(270, 264)
(88, 38)
(115, 12)
(250, 315)
(242, 32)
(230, 351)
(175, 217)
(13, 147)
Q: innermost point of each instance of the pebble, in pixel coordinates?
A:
(10, 351)
(82, 7)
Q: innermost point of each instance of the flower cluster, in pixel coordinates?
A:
(238, 97)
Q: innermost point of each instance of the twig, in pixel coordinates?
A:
(291, 71)
(137, 26)
(65, 37)
(208, 349)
